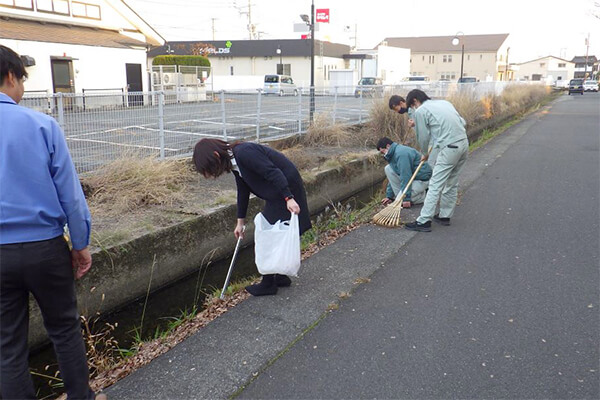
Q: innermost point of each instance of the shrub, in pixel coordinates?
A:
(197, 61)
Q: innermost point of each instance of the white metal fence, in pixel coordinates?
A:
(101, 127)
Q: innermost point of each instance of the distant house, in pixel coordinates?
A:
(256, 58)
(436, 57)
(549, 69)
(585, 66)
(70, 46)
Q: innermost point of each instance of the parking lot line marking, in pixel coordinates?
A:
(121, 144)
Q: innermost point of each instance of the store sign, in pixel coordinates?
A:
(220, 50)
(323, 15)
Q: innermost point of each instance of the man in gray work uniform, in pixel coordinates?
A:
(437, 123)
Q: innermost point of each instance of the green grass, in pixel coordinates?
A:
(336, 216)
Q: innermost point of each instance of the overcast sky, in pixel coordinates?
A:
(536, 27)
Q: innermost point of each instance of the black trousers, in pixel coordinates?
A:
(44, 269)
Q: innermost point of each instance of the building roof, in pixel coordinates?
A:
(37, 31)
(581, 59)
(435, 44)
(541, 58)
(256, 48)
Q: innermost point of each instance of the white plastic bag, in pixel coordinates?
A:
(277, 246)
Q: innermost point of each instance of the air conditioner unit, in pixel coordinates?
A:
(169, 78)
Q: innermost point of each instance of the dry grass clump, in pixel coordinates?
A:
(324, 132)
(469, 107)
(518, 96)
(384, 122)
(129, 183)
(301, 157)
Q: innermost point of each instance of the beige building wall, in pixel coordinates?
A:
(446, 65)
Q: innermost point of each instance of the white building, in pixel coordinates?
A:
(244, 63)
(391, 64)
(548, 69)
(72, 46)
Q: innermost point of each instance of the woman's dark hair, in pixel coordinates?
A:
(383, 142)
(10, 62)
(206, 161)
(416, 94)
(395, 100)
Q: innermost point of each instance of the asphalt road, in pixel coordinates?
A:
(502, 304)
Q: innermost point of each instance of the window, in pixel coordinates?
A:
(423, 58)
(562, 65)
(231, 70)
(445, 58)
(28, 4)
(431, 59)
(85, 10)
(481, 56)
(53, 6)
(542, 65)
(468, 57)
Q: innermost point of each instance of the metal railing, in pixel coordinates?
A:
(101, 127)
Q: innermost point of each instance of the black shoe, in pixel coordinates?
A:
(441, 221)
(282, 280)
(266, 287)
(418, 227)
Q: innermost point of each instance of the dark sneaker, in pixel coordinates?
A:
(282, 280)
(418, 227)
(441, 221)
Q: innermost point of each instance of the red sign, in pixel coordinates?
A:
(304, 36)
(323, 15)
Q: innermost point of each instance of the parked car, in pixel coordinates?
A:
(371, 87)
(590, 85)
(576, 86)
(280, 85)
(467, 79)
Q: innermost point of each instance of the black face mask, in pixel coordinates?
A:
(402, 110)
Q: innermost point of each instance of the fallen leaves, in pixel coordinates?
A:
(148, 351)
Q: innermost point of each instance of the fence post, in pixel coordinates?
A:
(335, 103)
(360, 107)
(223, 115)
(300, 111)
(61, 111)
(258, 116)
(161, 123)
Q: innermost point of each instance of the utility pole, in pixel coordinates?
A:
(213, 28)
(312, 61)
(507, 64)
(587, 44)
(251, 27)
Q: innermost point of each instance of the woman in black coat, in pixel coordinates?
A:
(266, 173)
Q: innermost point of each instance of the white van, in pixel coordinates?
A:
(280, 85)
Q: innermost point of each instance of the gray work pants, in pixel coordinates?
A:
(444, 181)
(418, 188)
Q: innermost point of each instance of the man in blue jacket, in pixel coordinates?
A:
(402, 163)
(40, 193)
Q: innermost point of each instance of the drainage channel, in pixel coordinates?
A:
(163, 305)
